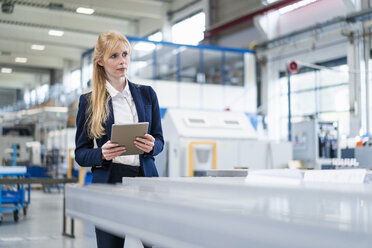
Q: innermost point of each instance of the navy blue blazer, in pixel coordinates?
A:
(86, 155)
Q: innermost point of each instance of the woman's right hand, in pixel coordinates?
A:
(112, 150)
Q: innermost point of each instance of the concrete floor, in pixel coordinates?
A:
(42, 226)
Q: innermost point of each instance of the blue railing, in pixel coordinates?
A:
(160, 60)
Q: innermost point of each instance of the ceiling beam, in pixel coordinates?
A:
(35, 34)
(24, 48)
(33, 61)
(26, 15)
(127, 9)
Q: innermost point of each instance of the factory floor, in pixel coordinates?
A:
(42, 226)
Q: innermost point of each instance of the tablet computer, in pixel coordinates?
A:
(125, 134)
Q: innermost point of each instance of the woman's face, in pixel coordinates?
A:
(116, 65)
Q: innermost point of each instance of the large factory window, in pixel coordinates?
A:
(157, 36)
(72, 81)
(320, 93)
(189, 31)
(36, 96)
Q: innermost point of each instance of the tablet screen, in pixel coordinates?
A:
(125, 135)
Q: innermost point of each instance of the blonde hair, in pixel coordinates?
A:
(98, 108)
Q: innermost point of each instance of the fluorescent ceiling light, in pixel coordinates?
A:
(38, 47)
(20, 60)
(6, 70)
(54, 32)
(294, 6)
(86, 11)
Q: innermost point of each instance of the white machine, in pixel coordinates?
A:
(6, 149)
(198, 141)
(34, 148)
(316, 143)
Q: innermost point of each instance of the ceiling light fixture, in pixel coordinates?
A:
(37, 47)
(54, 32)
(20, 60)
(86, 11)
(6, 70)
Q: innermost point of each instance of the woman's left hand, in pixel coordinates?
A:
(145, 144)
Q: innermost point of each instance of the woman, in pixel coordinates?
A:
(114, 99)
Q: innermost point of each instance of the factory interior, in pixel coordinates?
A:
(265, 110)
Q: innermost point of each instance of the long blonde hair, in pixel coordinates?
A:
(98, 108)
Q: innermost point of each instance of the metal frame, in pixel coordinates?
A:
(17, 197)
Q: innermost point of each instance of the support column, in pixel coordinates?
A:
(166, 28)
(353, 61)
(250, 86)
(367, 55)
(271, 99)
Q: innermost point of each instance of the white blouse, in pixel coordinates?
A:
(125, 112)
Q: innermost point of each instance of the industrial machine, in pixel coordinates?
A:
(315, 143)
(363, 155)
(198, 141)
(17, 136)
(44, 125)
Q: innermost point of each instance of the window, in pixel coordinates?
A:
(321, 93)
(158, 36)
(72, 81)
(189, 31)
(42, 93)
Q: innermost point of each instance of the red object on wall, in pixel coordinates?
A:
(293, 67)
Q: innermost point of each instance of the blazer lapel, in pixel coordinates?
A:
(135, 91)
(110, 120)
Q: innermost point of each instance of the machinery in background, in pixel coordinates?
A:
(198, 141)
(364, 156)
(34, 149)
(45, 149)
(315, 143)
(361, 152)
(17, 136)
